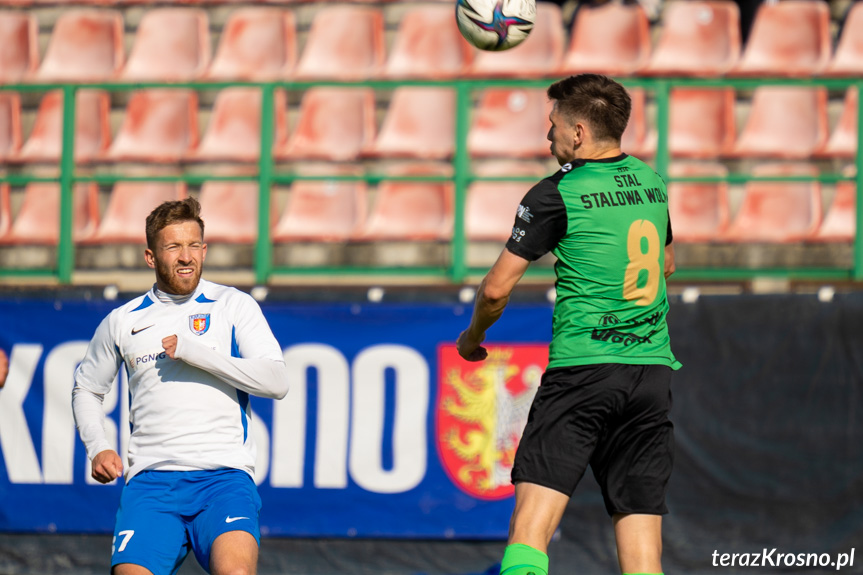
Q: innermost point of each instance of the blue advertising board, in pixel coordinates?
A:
(384, 433)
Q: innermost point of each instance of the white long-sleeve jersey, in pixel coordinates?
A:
(191, 412)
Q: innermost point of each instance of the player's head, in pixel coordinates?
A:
(588, 108)
(175, 245)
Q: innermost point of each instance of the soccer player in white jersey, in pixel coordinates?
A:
(194, 351)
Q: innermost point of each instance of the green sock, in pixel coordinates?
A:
(519, 559)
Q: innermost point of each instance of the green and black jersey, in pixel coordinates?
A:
(607, 223)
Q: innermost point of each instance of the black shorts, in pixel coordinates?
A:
(614, 417)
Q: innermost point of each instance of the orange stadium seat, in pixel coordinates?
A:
(19, 46)
(787, 39)
(420, 123)
(92, 129)
(490, 207)
(230, 210)
(539, 55)
(257, 43)
(511, 123)
(344, 43)
(843, 139)
(171, 44)
(38, 220)
(86, 45)
(159, 126)
(334, 124)
(784, 122)
(5, 210)
(700, 123)
(848, 59)
(234, 131)
(428, 45)
(612, 38)
(698, 211)
(10, 124)
(698, 38)
(128, 206)
(778, 212)
(634, 140)
(322, 211)
(419, 211)
(840, 222)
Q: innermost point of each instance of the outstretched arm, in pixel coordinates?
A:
(491, 299)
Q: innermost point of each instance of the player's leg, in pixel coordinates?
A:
(234, 553)
(632, 464)
(537, 513)
(225, 533)
(148, 536)
(639, 542)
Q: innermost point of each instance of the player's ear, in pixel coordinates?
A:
(150, 258)
(203, 251)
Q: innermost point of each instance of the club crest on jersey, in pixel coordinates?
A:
(481, 412)
(199, 323)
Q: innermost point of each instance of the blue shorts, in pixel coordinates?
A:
(164, 514)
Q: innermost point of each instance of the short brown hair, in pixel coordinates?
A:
(600, 102)
(168, 213)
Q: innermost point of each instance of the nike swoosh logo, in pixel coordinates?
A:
(137, 331)
(230, 519)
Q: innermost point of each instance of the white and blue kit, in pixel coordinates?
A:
(190, 417)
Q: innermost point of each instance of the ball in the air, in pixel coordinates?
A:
(495, 24)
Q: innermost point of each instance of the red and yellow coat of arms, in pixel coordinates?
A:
(481, 412)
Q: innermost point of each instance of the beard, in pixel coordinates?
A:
(174, 283)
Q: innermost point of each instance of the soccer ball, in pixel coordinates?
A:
(495, 24)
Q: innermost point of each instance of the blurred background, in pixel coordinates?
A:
(359, 165)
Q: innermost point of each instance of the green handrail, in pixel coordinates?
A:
(458, 270)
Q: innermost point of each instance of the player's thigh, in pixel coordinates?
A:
(538, 511)
(230, 504)
(147, 532)
(234, 553)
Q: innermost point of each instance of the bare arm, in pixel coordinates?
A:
(4, 367)
(491, 299)
(669, 260)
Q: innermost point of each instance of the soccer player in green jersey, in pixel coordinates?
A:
(605, 397)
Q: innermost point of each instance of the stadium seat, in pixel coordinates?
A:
(38, 220)
(234, 131)
(511, 123)
(334, 124)
(412, 211)
(420, 123)
(159, 126)
(843, 139)
(634, 140)
(490, 207)
(257, 43)
(10, 124)
(19, 46)
(784, 122)
(92, 130)
(698, 38)
(171, 44)
(848, 59)
(322, 211)
(230, 210)
(698, 211)
(5, 210)
(128, 206)
(840, 221)
(700, 123)
(428, 45)
(778, 212)
(612, 38)
(86, 45)
(345, 42)
(787, 39)
(540, 55)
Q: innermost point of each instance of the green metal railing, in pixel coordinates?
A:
(458, 270)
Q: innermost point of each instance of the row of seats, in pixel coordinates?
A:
(338, 124)
(325, 211)
(346, 42)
